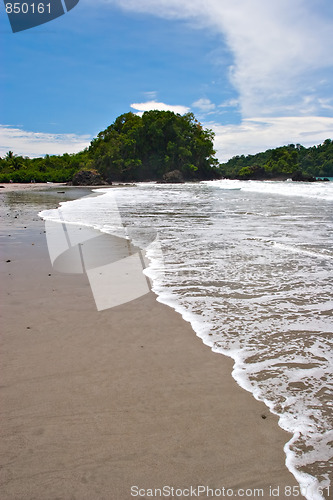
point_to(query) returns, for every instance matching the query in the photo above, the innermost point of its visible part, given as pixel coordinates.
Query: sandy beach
(111, 405)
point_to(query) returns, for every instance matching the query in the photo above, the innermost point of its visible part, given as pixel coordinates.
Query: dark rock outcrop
(88, 178)
(175, 176)
(300, 177)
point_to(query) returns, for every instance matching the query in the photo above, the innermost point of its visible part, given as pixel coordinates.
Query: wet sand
(94, 403)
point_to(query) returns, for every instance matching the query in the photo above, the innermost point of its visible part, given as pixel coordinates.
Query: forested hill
(282, 162)
(151, 146)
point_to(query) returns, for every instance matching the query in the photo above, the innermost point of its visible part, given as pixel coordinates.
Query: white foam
(320, 190)
(295, 249)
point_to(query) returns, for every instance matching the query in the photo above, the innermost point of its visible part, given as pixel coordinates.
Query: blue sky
(258, 73)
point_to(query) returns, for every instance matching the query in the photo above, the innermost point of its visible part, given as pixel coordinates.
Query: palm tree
(9, 155)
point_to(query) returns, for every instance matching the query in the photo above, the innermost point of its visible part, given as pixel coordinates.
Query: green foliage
(282, 163)
(50, 168)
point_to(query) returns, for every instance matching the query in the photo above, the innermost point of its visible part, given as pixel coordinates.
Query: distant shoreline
(17, 186)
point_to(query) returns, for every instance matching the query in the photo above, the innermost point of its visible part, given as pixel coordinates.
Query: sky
(258, 73)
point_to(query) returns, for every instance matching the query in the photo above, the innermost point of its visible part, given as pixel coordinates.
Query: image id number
(28, 8)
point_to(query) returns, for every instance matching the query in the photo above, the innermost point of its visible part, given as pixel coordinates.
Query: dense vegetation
(147, 147)
(138, 148)
(282, 162)
(133, 148)
(50, 168)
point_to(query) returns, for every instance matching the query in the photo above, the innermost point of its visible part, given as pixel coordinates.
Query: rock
(175, 176)
(88, 178)
(298, 176)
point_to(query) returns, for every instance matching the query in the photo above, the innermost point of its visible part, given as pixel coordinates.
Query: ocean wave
(318, 190)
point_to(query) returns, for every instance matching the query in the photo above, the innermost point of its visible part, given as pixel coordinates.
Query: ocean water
(249, 264)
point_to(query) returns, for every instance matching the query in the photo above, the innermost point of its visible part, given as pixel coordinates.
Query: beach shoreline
(116, 403)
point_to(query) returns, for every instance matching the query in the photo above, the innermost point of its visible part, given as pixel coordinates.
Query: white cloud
(326, 104)
(160, 106)
(279, 47)
(152, 94)
(204, 105)
(33, 144)
(258, 134)
(230, 103)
